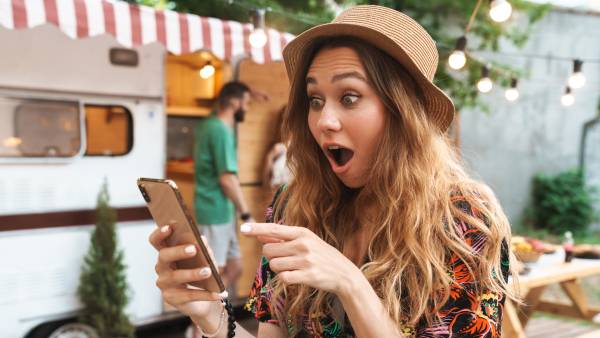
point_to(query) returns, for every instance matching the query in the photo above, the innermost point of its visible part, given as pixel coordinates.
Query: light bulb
(576, 80)
(258, 38)
(500, 10)
(567, 99)
(457, 59)
(485, 85)
(511, 94)
(207, 71)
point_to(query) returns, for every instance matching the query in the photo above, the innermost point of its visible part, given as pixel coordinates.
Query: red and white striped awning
(134, 25)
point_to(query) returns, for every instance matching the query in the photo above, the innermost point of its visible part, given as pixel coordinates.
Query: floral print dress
(468, 313)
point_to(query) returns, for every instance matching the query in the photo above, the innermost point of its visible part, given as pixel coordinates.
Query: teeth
(333, 147)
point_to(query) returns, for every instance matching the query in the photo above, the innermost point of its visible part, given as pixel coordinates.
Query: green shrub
(102, 285)
(562, 203)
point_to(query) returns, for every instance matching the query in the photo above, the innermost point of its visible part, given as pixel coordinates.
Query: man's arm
(230, 184)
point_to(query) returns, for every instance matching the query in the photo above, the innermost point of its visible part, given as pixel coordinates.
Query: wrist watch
(245, 216)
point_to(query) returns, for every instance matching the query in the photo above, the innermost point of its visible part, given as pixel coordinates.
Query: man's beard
(239, 115)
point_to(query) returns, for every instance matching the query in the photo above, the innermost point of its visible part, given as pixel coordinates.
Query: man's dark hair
(232, 90)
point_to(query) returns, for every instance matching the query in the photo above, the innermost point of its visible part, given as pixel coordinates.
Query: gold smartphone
(166, 206)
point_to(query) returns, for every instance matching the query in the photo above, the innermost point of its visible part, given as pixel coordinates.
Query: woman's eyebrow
(342, 76)
(339, 77)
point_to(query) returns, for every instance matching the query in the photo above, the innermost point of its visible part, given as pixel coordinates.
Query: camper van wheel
(74, 330)
(64, 330)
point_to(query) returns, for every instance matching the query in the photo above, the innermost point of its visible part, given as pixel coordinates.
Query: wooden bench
(532, 286)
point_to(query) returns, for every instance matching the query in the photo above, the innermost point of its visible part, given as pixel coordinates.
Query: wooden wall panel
(258, 200)
(255, 136)
(257, 133)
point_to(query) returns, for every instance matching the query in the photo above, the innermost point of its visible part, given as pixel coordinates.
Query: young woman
(381, 233)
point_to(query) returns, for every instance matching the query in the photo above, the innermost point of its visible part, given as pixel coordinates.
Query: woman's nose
(328, 121)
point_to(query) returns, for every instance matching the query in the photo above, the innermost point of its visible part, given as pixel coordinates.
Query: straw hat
(394, 33)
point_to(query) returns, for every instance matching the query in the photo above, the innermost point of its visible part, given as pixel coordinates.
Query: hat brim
(439, 106)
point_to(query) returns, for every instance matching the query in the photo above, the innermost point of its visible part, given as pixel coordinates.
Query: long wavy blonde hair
(411, 235)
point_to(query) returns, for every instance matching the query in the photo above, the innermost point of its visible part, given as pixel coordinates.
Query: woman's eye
(349, 99)
(315, 103)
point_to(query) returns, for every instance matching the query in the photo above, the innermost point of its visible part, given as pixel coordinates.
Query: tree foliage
(102, 285)
(443, 19)
(563, 203)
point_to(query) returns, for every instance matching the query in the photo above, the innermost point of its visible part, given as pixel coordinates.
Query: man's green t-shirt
(215, 154)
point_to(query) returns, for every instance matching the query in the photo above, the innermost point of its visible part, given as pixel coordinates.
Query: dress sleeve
(470, 312)
(259, 301)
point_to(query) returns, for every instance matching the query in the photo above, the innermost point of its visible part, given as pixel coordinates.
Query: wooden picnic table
(550, 269)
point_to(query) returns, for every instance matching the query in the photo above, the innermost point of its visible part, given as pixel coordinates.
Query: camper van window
(109, 130)
(39, 128)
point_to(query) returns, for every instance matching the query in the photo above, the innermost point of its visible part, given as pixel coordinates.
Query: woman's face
(346, 116)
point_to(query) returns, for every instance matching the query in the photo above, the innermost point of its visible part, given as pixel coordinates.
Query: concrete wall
(507, 147)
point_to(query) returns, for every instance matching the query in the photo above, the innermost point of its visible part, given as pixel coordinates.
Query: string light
(512, 93)
(485, 84)
(258, 37)
(500, 10)
(458, 59)
(577, 79)
(568, 98)
(207, 70)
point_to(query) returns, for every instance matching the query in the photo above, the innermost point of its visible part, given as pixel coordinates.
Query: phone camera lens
(144, 194)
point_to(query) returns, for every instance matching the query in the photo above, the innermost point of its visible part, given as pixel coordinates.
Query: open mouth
(340, 155)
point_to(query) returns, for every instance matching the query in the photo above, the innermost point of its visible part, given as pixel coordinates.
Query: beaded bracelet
(230, 322)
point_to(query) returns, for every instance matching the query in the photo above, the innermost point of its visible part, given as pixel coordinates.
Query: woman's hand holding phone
(203, 307)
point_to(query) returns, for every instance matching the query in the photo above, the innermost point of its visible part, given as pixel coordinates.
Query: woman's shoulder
(477, 212)
(479, 221)
(477, 202)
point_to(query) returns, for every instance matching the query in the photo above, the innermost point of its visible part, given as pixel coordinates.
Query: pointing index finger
(273, 230)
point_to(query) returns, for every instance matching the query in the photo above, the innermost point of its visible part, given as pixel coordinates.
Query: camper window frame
(81, 152)
(130, 129)
(50, 159)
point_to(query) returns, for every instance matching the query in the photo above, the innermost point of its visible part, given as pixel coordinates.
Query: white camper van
(67, 123)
